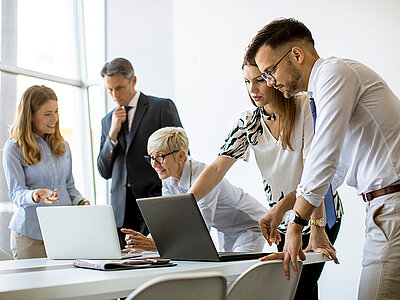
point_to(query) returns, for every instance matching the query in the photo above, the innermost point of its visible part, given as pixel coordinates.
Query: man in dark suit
(125, 131)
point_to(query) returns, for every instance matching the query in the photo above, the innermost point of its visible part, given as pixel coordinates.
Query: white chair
(182, 286)
(265, 280)
(4, 255)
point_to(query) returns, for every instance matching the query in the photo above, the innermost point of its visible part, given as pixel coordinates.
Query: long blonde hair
(21, 130)
(285, 108)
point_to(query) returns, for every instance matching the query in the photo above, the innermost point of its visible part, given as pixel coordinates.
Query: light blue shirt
(51, 172)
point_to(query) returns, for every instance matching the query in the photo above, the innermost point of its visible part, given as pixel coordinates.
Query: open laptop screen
(80, 231)
(179, 231)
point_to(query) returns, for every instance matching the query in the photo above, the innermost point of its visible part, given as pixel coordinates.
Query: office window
(95, 38)
(46, 37)
(1, 27)
(97, 112)
(59, 44)
(95, 53)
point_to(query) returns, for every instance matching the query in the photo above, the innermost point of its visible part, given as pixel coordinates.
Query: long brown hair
(285, 108)
(21, 130)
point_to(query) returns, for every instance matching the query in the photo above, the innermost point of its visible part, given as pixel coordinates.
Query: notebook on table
(179, 230)
(80, 231)
(114, 265)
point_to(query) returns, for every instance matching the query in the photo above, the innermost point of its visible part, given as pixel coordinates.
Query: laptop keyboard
(234, 253)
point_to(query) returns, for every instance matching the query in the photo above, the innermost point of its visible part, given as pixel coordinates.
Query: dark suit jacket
(125, 163)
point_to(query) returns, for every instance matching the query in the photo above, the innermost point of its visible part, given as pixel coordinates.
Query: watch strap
(300, 221)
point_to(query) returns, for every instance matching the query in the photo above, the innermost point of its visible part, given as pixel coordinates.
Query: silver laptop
(179, 230)
(81, 231)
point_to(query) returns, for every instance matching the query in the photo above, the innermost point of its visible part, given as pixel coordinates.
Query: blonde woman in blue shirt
(38, 169)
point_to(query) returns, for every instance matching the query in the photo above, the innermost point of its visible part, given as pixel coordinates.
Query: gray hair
(168, 139)
(118, 66)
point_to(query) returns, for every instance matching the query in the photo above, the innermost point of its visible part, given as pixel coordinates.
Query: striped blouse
(280, 168)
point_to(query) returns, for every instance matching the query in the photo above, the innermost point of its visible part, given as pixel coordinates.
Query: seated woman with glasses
(230, 210)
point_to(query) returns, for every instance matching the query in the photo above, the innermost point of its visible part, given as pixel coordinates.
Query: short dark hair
(278, 33)
(118, 66)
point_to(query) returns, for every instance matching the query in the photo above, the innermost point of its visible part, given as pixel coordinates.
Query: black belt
(383, 191)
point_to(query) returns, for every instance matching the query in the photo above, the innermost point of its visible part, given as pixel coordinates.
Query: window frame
(8, 66)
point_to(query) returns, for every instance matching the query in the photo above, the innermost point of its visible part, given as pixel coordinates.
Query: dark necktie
(125, 125)
(328, 200)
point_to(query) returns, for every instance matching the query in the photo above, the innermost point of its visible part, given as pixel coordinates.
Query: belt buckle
(367, 197)
(364, 198)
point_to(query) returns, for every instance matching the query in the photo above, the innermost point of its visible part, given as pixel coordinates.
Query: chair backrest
(193, 286)
(265, 280)
(4, 255)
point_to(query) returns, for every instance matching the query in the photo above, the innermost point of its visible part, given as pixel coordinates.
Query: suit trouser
(308, 283)
(24, 247)
(380, 276)
(133, 218)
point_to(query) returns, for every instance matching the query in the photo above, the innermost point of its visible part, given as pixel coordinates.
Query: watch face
(321, 222)
(291, 216)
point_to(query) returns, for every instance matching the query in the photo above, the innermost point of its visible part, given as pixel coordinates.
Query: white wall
(142, 32)
(192, 51)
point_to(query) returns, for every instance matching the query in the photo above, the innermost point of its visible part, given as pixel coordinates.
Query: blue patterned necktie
(328, 200)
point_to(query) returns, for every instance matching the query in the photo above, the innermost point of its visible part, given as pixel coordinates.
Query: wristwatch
(321, 222)
(293, 217)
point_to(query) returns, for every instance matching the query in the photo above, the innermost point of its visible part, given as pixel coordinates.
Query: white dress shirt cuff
(313, 199)
(114, 144)
(29, 197)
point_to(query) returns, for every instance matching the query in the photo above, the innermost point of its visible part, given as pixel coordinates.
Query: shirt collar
(186, 177)
(313, 73)
(134, 100)
(38, 138)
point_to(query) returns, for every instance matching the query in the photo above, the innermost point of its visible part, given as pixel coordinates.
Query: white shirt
(133, 105)
(227, 208)
(357, 130)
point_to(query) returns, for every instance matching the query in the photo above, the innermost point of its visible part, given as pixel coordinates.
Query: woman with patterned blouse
(279, 131)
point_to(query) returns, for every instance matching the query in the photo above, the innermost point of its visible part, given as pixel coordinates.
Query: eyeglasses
(267, 75)
(160, 158)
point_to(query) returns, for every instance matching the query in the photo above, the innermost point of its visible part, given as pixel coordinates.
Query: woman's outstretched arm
(211, 176)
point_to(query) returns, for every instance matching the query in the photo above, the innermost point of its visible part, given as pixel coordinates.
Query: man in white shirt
(357, 135)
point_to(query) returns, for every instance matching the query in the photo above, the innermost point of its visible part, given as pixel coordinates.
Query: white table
(42, 278)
